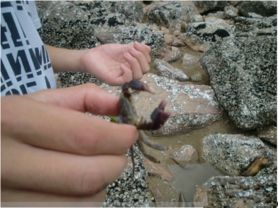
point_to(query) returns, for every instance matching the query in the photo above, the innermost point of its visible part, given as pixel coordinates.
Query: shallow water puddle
(186, 178)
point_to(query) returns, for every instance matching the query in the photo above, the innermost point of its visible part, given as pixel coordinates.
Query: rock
(243, 75)
(129, 190)
(197, 77)
(191, 106)
(69, 79)
(233, 153)
(200, 36)
(132, 10)
(205, 7)
(218, 14)
(190, 59)
(268, 134)
(105, 12)
(230, 153)
(177, 42)
(63, 25)
(168, 38)
(246, 26)
(166, 70)
(173, 54)
(72, 24)
(264, 8)
(185, 154)
(230, 11)
(137, 32)
(172, 14)
(197, 18)
(225, 191)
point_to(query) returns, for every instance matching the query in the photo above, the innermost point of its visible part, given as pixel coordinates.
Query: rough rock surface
(205, 7)
(200, 36)
(233, 153)
(63, 25)
(226, 191)
(191, 106)
(172, 54)
(260, 26)
(129, 191)
(171, 14)
(268, 134)
(190, 59)
(137, 32)
(166, 70)
(264, 8)
(230, 11)
(185, 154)
(243, 75)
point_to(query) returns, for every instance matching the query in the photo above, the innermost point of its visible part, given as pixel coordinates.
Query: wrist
(81, 56)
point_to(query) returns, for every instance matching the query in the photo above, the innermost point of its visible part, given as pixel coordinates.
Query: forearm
(65, 59)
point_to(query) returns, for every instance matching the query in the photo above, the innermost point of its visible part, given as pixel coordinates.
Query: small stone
(165, 69)
(230, 11)
(197, 77)
(197, 18)
(268, 134)
(172, 55)
(185, 154)
(168, 38)
(178, 42)
(189, 59)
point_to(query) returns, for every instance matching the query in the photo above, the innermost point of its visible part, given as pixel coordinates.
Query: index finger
(144, 49)
(85, 98)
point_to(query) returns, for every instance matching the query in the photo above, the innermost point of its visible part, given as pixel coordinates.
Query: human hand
(53, 151)
(116, 64)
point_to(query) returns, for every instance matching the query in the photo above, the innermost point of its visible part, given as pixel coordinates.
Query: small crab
(128, 115)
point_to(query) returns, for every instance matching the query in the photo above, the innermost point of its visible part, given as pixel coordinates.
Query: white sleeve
(31, 8)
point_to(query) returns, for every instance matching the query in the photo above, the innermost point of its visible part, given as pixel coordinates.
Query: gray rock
(166, 70)
(218, 14)
(65, 25)
(171, 14)
(246, 26)
(264, 8)
(72, 24)
(106, 12)
(137, 32)
(197, 77)
(185, 154)
(225, 191)
(132, 10)
(173, 54)
(230, 11)
(69, 79)
(190, 59)
(233, 153)
(129, 191)
(243, 75)
(200, 36)
(268, 134)
(205, 7)
(191, 106)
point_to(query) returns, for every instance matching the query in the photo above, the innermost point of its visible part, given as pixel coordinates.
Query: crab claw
(136, 85)
(159, 116)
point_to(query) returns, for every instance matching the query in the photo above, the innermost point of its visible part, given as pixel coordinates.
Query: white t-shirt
(25, 64)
